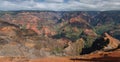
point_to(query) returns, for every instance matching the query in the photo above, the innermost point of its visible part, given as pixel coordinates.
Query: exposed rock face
(90, 32)
(79, 22)
(8, 31)
(7, 34)
(105, 43)
(75, 48)
(21, 42)
(113, 43)
(33, 27)
(35, 30)
(47, 31)
(63, 41)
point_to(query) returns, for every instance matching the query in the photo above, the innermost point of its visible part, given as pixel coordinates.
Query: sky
(60, 5)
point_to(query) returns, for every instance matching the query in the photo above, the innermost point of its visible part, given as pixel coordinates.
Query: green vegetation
(78, 46)
(89, 41)
(70, 34)
(58, 49)
(104, 28)
(23, 27)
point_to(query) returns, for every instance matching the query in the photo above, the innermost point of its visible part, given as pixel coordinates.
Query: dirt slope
(113, 56)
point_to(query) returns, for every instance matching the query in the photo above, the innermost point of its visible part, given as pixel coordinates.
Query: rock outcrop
(75, 48)
(90, 32)
(113, 43)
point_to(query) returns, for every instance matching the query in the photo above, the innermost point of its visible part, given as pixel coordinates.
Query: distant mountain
(101, 21)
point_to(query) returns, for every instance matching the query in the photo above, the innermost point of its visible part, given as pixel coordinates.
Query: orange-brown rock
(113, 43)
(90, 32)
(77, 19)
(74, 48)
(76, 29)
(47, 31)
(29, 44)
(63, 41)
(8, 30)
(33, 27)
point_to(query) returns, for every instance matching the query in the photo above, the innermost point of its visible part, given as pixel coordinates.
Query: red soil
(94, 57)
